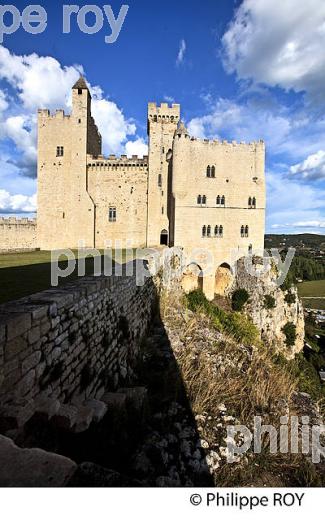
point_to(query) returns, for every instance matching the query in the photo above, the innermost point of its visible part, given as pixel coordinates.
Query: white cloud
(112, 124)
(137, 147)
(17, 203)
(280, 43)
(169, 99)
(307, 224)
(42, 82)
(289, 203)
(294, 133)
(181, 53)
(313, 167)
(228, 119)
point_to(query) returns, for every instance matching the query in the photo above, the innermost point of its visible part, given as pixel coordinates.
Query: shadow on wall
(141, 433)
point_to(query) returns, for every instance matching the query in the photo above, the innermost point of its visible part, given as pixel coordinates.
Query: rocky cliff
(270, 307)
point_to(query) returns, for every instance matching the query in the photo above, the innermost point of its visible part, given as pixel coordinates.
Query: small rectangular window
(59, 151)
(112, 214)
(79, 91)
(159, 180)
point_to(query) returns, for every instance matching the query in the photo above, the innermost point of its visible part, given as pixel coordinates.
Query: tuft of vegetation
(289, 330)
(290, 298)
(239, 298)
(238, 326)
(269, 302)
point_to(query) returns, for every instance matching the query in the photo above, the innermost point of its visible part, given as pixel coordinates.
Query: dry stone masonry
(71, 344)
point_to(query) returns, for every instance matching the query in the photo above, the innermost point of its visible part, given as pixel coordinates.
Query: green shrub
(290, 298)
(239, 298)
(289, 330)
(196, 299)
(232, 323)
(269, 302)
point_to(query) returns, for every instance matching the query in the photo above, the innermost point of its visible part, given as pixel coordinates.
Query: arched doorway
(192, 278)
(223, 279)
(164, 237)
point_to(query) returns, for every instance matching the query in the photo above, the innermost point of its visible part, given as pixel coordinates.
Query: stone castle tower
(187, 192)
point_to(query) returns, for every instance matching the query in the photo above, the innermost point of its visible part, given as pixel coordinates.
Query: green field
(22, 274)
(313, 294)
(314, 288)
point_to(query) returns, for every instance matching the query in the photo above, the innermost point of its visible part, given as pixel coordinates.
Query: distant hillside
(303, 240)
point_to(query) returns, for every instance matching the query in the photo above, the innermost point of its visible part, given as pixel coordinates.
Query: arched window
(204, 231)
(218, 200)
(216, 231)
(220, 231)
(204, 199)
(213, 172)
(250, 249)
(208, 171)
(254, 202)
(250, 202)
(199, 199)
(246, 231)
(223, 200)
(242, 231)
(209, 231)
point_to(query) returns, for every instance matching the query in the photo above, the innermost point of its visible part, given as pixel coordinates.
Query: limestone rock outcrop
(270, 321)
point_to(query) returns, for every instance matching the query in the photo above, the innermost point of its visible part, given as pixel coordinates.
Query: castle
(192, 193)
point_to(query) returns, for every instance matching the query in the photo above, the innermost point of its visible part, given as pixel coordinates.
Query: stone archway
(223, 279)
(192, 278)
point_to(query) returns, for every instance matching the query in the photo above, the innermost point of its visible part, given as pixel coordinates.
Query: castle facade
(187, 192)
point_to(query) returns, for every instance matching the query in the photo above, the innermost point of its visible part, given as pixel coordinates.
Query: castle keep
(187, 192)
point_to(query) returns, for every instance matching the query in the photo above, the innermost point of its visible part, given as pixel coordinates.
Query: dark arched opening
(164, 237)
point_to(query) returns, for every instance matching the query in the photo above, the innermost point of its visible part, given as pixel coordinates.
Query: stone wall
(17, 234)
(74, 342)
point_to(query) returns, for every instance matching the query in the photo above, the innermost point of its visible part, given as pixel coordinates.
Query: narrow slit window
(112, 214)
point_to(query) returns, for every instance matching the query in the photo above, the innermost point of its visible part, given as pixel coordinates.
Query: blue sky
(243, 70)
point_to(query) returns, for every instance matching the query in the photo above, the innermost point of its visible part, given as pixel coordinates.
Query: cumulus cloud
(137, 147)
(284, 130)
(42, 82)
(16, 203)
(181, 53)
(290, 203)
(279, 43)
(312, 168)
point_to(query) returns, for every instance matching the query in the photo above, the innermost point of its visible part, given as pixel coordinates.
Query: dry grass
(217, 370)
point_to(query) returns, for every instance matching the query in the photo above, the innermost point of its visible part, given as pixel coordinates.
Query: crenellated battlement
(163, 112)
(23, 221)
(224, 142)
(57, 114)
(114, 162)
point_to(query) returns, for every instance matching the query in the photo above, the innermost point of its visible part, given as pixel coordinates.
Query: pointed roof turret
(182, 130)
(81, 83)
